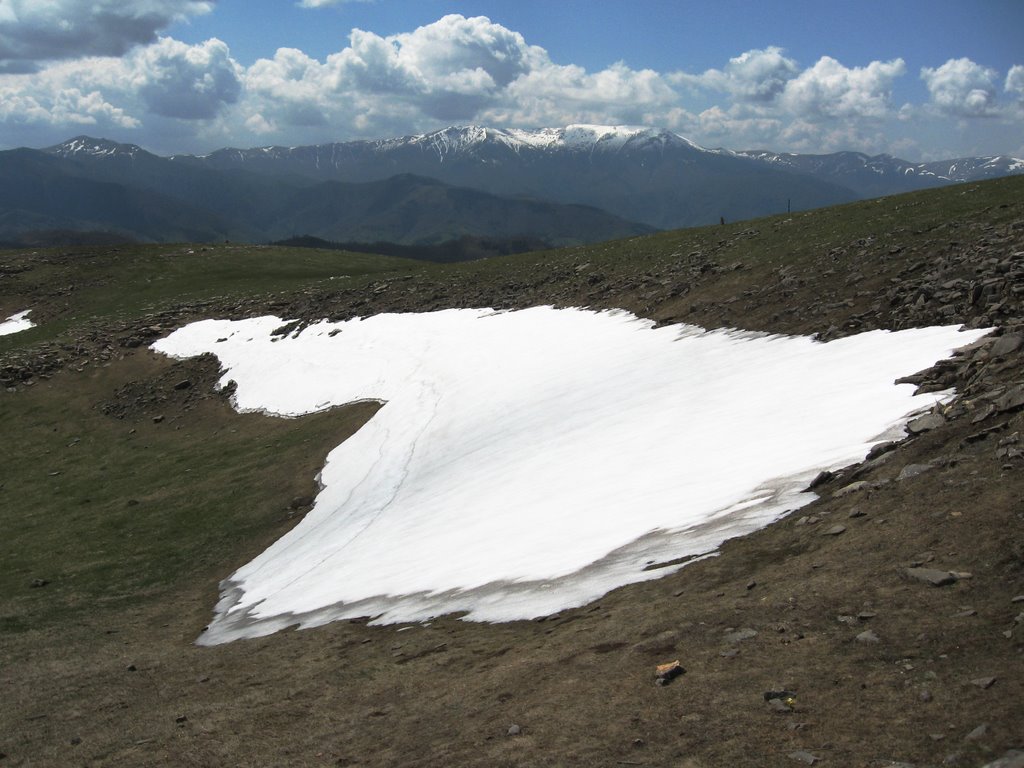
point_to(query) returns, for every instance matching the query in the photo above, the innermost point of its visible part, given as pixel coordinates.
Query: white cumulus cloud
(39, 30)
(758, 75)
(830, 90)
(1015, 82)
(186, 81)
(961, 87)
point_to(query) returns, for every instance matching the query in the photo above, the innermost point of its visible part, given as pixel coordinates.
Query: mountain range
(577, 184)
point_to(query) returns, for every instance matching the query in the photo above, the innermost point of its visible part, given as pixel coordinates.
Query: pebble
(513, 730)
(978, 733)
(804, 757)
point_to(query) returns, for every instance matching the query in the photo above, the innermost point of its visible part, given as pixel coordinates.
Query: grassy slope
(132, 584)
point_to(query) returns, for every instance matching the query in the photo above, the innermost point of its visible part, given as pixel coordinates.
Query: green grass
(111, 512)
(81, 285)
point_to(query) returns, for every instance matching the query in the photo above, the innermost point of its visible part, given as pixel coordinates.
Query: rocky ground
(882, 625)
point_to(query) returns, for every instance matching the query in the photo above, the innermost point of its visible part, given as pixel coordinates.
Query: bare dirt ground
(882, 625)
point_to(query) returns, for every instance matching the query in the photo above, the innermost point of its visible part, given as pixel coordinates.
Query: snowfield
(15, 323)
(529, 461)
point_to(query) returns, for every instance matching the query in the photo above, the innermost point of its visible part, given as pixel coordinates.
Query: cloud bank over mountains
(66, 65)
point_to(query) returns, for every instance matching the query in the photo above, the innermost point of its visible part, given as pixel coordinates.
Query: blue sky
(922, 80)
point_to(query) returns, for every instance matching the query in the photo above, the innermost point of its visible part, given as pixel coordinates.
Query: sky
(919, 79)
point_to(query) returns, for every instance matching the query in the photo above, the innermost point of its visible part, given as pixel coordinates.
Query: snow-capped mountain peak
(81, 146)
(576, 137)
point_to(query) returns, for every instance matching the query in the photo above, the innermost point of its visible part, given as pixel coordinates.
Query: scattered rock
(158, 419)
(1012, 759)
(820, 479)
(835, 530)
(978, 733)
(1006, 344)
(666, 673)
(183, 384)
(984, 682)
(1010, 400)
(846, 490)
(740, 635)
(781, 706)
(38, 583)
(880, 449)
(868, 636)
(513, 730)
(925, 423)
(913, 470)
(932, 576)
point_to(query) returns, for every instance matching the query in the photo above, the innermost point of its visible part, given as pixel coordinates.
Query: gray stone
(740, 635)
(925, 423)
(835, 530)
(846, 490)
(780, 706)
(1012, 759)
(868, 636)
(913, 470)
(932, 576)
(880, 449)
(1012, 399)
(978, 733)
(983, 682)
(1006, 344)
(513, 730)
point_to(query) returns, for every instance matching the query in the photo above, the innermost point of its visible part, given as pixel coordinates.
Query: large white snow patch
(15, 323)
(529, 461)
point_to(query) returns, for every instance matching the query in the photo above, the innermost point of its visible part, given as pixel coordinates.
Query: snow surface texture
(15, 323)
(529, 461)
